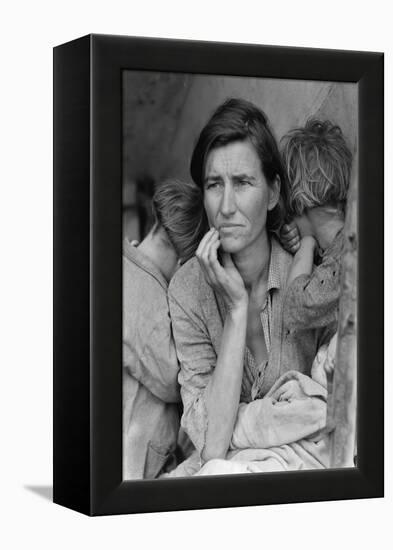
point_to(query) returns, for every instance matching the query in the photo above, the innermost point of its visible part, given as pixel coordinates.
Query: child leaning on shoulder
(318, 164)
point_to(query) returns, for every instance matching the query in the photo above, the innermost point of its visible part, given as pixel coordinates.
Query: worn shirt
(150, 369)
(198, 316)
(312, 301)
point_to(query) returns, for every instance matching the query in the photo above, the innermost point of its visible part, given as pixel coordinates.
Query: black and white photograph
(195, 276)
(240, 239)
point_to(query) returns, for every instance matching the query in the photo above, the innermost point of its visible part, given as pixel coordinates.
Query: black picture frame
(88, 275)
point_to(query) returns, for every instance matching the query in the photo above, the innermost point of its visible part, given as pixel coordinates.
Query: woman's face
(237, 196)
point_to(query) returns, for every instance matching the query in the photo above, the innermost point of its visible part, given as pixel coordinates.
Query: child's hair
(318, 164)
(178, 208)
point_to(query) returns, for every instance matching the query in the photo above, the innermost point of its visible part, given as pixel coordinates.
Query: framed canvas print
(218, 275)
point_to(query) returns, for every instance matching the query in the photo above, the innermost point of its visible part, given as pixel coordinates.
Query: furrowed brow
(243, 176)
(212, 179)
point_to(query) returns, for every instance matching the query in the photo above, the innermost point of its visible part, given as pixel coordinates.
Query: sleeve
(149, 353)
(311, 301)
(197, 361)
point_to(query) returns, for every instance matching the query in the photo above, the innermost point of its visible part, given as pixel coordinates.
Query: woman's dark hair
(178, 208)
(240, 120)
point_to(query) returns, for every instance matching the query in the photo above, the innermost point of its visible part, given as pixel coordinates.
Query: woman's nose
(228, 201)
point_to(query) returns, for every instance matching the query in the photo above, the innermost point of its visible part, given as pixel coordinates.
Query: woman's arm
(223, 393)
(210, 381)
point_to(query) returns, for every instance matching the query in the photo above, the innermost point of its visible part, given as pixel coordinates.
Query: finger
(290, 238)
(294, 241)
(214, 260)
(294, 232)
(205, 254)
(210, 251)
(213, 247)
(287, 227)
(213, 265)
(204, 241)
(290, 234)
(294, 248)
(291, 225)
(201, 247)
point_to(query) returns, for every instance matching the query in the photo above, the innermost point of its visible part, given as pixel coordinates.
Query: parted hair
(239, 120)
(178, 209)
(318, 164)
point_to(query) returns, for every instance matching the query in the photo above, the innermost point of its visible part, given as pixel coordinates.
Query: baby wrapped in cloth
(286, 429)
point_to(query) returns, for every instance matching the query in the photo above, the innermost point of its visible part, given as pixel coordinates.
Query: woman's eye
(212, 185)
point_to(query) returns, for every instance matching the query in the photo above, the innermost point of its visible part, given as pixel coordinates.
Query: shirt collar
(277, 274)
(132, 253)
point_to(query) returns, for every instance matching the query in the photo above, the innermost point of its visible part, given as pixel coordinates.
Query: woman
(226, 304)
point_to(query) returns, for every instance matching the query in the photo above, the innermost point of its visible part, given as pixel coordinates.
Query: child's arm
(312, 295)
(304, 258)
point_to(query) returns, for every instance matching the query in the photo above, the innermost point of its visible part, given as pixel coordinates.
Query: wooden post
(342, 404)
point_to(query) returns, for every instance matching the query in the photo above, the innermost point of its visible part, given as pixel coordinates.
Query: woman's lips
(224, 225)
(228, 226)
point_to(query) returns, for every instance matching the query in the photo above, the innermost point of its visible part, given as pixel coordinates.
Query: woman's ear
(274, 193)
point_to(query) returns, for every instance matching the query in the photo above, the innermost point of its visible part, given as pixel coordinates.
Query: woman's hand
(225, 278)
(290, 237)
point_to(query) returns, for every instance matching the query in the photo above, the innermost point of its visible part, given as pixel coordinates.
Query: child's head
(178, 209)
(318, 165)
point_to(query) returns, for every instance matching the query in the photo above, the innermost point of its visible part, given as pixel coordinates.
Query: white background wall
(28, 31)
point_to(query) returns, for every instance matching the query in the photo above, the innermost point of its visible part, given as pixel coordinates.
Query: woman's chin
(231, 246)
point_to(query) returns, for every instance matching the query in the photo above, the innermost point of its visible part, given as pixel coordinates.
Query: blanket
(285, 430)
